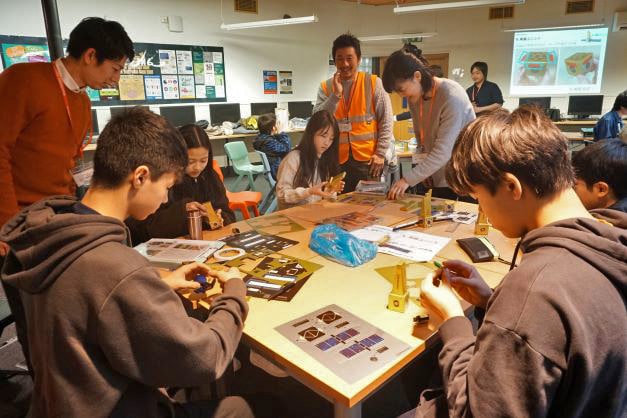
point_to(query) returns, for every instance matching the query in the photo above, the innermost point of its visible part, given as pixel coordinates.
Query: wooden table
(359, 290)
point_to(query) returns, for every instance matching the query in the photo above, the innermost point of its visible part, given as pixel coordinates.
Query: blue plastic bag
(338, 245)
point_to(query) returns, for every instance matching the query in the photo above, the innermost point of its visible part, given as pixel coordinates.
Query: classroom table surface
(361, 291)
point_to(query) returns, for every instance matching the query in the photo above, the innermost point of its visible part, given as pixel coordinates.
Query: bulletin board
(158, 74)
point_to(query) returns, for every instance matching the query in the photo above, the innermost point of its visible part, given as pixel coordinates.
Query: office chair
(240, 200)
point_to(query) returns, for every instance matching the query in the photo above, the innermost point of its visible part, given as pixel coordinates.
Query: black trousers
(355, 171)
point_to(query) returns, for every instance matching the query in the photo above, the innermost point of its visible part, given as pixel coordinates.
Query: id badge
(82, 173)
(345, 126)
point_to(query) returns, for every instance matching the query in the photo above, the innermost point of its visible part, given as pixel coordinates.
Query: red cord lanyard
(69, 113)
(422, 131)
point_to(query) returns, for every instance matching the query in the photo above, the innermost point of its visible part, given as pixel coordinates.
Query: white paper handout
(413, 245)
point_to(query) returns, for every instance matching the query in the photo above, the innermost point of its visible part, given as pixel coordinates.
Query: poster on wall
(167, 61)
(131, 87)
(170, 86)
(285, 82)
(184, 62)
(107, 95)
(153, 87)
(269, 82)
(18, 53)
(186, 87)
(94, 95)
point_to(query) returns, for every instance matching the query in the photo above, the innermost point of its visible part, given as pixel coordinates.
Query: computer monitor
(94, 122)
(262, 108)
(179, 115)
(224, 112)
(301, 110)
(543, 103)
(584, 106)
(121, 109)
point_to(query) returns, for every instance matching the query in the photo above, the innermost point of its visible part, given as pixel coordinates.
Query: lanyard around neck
(475, 95)
(347, 105)
(422, 123)
(69, 112)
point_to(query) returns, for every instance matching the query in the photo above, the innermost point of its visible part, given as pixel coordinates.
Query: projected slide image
(558, 61)
(579, 65)
(534, 68)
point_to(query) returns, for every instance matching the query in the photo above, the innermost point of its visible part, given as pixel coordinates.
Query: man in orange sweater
(45, 113)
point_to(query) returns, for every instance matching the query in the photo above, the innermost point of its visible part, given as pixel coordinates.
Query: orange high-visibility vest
(362, 138)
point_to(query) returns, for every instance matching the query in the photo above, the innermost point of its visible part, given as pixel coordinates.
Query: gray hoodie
(554, 339)
(104, 331)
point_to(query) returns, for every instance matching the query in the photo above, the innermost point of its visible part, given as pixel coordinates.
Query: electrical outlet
(164, 19)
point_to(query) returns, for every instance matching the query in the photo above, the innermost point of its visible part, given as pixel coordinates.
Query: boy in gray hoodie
(104, 331)
(553, 342)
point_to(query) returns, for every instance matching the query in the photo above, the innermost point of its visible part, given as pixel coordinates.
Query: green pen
(436, 280)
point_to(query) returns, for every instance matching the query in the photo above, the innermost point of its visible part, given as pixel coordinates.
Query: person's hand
(4, 249)
(440, 299)
(338, 88)
(467, 282)
(476, 108)
(338, 189)
(376, 166)
(224, 276)
(197, 206)
(398, 189)
(318, 190)
(182, 277)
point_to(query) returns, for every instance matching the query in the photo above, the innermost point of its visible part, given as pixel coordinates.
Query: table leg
(343, 411)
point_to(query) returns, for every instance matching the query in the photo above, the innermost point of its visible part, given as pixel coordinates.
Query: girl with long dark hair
(305, 171)
(200, 184)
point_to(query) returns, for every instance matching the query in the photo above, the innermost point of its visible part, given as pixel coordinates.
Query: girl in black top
(200, 184)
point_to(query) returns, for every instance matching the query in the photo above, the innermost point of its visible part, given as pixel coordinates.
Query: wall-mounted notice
(269, 82)
(285, 82)
(167, 61)
(132, 87)
(153, 87)
(170, 86)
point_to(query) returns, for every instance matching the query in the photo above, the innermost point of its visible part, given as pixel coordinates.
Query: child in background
(601, 171)
(274, 144)
(305, 171)
(199, 184)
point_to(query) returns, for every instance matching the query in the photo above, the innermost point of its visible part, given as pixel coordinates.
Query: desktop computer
(582, 107)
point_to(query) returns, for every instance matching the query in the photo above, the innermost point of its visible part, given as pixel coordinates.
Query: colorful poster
(184, 62)
(199, 73)
(170, 86)
(217, 57)
(167, 61)
(211, 92)
(186, 87)
(201, 91)
(94, 95)
(109, 94)
(285, 82)
(269, 82)
(153, 87)
(16, 53)
(131, 87)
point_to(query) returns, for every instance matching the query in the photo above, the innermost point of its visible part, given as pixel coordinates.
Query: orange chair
(240, 200)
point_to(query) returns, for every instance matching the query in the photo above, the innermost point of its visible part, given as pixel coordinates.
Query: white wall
(467, 35)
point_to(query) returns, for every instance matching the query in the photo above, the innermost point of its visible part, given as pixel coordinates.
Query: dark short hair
(266, 122)
(346, 41)
(606, 161)
(195, 137)
(133, 138)
(524, 143)
(107, 37)
(402, 65)
(621, 101)
(481, 66)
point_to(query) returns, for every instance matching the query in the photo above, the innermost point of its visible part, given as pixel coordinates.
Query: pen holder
(194, 224)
